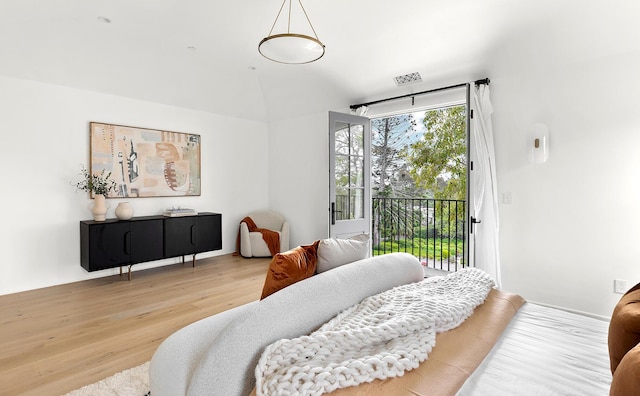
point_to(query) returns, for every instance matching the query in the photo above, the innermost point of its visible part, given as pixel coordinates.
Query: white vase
(124, 211)
(99, 209)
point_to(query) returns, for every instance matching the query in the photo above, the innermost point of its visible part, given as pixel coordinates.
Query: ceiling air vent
(407, 79)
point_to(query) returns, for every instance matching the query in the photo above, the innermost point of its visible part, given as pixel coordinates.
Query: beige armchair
(252, 244)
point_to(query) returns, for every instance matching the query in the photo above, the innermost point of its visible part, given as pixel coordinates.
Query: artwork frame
(146, 162)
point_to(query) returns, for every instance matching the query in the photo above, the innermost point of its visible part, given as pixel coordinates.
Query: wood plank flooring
(60, 338)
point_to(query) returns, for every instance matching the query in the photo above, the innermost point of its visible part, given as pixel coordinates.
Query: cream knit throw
(381, 337)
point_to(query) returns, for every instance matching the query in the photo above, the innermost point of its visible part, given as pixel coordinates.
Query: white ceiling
(144, 52)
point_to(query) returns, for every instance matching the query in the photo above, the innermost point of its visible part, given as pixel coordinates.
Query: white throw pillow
(333, 253)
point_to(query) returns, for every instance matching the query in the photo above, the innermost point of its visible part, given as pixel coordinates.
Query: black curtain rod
(477, 82)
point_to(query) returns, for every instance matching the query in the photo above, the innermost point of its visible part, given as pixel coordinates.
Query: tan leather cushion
(626, 379)
(449, 364)
(624, 328)
(290, 267)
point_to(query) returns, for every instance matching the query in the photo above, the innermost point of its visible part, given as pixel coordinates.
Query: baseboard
(575, 311)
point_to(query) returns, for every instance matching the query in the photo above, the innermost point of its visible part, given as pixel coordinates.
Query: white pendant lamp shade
(291, 48)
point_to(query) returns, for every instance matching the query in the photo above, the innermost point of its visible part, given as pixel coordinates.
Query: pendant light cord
(308, 20)
(278, 16)
(289, 19)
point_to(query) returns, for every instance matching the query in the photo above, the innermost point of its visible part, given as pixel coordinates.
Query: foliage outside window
(419, 172)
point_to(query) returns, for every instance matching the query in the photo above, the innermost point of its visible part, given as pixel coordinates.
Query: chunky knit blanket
(381, 337)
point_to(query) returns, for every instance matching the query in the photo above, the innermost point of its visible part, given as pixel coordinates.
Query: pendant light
(291, 48)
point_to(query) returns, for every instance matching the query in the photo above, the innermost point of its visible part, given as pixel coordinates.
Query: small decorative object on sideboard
(98, 184)
(179, 212)
(99, 208)
(124, 211)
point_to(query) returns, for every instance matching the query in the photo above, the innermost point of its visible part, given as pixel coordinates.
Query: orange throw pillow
(290, 267)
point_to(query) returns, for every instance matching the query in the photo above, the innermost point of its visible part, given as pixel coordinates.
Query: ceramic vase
(99, 209)
(124, 211)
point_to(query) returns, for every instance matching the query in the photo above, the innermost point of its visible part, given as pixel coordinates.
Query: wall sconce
(538, 143)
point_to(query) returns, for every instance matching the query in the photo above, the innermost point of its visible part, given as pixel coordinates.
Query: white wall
(45, 138)
(299, 175)
(573, 225)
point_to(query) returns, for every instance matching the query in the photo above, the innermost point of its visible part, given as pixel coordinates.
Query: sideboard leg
(129, 274)
(193, 261)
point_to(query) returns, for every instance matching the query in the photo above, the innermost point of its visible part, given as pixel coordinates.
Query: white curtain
(484, 187)
(360, 111)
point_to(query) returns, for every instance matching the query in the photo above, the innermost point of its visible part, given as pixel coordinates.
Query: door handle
(333, 213)
(473, 221)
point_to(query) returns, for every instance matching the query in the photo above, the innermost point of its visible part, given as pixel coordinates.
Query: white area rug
(131, 382)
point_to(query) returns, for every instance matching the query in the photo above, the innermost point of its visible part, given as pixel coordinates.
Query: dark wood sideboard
(117, 243)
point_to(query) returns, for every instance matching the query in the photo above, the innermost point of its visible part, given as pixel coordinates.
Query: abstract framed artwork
(146, 162)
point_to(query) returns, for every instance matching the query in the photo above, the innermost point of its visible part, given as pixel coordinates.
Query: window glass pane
(342, 139)
(356, 210)
(357, 140)
(357, 172)
(349, 171)
(342, 171)
(342, 203)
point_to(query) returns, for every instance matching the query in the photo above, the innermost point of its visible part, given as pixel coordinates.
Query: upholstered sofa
(624, 344)
(218, 355)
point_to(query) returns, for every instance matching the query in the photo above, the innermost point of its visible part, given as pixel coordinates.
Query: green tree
(388, 141)
(438, 161)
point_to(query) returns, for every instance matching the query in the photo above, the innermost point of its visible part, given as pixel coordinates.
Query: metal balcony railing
(433, 230)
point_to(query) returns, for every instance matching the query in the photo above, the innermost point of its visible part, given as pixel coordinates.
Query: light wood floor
(60, 338)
